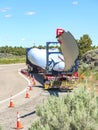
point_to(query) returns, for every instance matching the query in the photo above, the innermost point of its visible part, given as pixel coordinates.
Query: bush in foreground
(74, 111)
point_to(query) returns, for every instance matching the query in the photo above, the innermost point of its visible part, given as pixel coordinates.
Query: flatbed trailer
(53, 78)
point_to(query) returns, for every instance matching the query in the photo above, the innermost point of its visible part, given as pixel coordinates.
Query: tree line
(19, 51)
(84, 45)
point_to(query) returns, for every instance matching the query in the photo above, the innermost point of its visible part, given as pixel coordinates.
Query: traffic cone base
(11, 104)
(27, 94)
(19, 125)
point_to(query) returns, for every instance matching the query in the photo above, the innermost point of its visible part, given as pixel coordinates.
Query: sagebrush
(75, 111)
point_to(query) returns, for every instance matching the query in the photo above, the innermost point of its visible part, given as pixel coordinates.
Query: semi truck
(57, 63)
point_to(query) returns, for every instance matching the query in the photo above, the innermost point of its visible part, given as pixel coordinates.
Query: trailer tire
(64, 90)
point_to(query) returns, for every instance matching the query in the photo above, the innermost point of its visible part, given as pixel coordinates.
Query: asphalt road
(10, 81)
(15, 84)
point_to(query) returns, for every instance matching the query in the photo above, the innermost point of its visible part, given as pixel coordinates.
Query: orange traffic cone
(34, 81)
(18, 125)
(27, 94)
(11, 102)
(30, 87)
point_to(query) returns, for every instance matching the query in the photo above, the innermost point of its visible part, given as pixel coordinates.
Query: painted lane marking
(19, 92)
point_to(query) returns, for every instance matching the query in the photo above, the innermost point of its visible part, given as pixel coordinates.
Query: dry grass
(90, 81)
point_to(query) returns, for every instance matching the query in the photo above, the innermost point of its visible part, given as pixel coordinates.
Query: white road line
(19, 92)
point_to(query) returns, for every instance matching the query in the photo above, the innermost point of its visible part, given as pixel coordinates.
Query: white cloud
(75, 2)
(4, 9)
(8, 16)
(30, 13)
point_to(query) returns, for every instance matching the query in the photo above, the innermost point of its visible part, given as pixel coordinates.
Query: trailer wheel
(65, 90)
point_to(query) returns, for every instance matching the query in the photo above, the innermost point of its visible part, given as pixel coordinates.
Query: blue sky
(28, 22)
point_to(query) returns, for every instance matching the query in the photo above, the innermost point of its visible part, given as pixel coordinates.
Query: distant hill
(89, 60)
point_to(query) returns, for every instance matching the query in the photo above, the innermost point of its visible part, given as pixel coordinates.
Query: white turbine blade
(69, 48)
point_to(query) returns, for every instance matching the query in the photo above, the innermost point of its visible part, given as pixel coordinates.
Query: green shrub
(74, 111)
(96, 76)
(87, 73)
